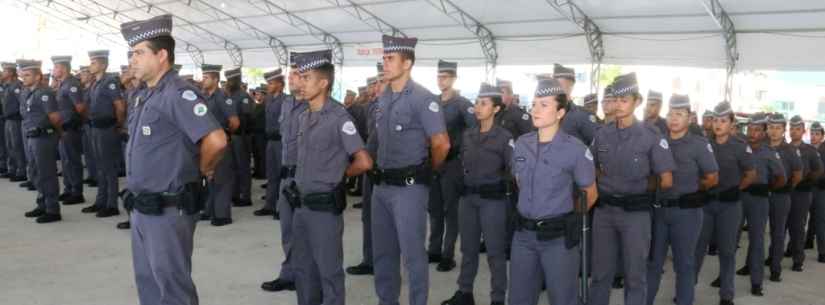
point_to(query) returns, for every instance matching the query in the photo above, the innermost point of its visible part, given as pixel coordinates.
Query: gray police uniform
(446, 190)
(677, 217)
(568, 164)
(13, 135)
(580, 124)
(219, 200)
(755, 207)
(366, 209)
(326, 140)
(780, 206)
(241, 146)
(70, 94)
(801, 201)
(816, 224)
(41, 139)
(273, 149)
(405, 122)
(723, 214)
(288, 121)
(486, 158)
(105, 139)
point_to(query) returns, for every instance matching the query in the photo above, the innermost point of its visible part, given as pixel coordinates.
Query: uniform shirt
(326, 140)
(162, 154)
(697, 130)
(694, 158)
(768, 164)
(791, 158)
(515, 120)
(458, 116)
(405, 121)
(243, 108)
(38, 104)
(811, 160)
(549, 173)
(258, 117)
(133, 104)
(659, 123)
(486, 156)
(220, 107)
(273, 106)
(372, 136)
(627, 157)
(580, 124)
(101, 96)
(734, 158)
(290, 109)
(69, 94)
(11, 99)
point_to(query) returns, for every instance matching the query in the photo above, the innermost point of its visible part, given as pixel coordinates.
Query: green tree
(608, 73)
(254, 76)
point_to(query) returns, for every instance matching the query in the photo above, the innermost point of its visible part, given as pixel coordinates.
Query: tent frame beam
(592, 33)
(723, 20)
(367, 17)
(485, 37)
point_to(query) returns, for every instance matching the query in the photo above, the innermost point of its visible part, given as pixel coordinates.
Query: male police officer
(816, 224)
(273, 102)
(327, 139)
(802, 197)
(780, 199)
(11, 113)
(577, 122)
(41, 125)
(591, 104)
(107, 111)
(240, 142)
(171, 131)
(72, 106)
(652, 110)
(446, 188)
(408, 122)
(512, 117)
(222, 108)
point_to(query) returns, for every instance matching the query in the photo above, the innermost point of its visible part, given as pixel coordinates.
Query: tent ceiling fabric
(771, 34)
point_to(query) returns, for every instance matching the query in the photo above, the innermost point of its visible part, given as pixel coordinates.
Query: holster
(568, 226)
(189, 201)
(292, 195)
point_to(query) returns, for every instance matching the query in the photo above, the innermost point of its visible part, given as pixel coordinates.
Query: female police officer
(627, 153)
(547, 164)
(677, 217)
(485, 155)
(723, 214)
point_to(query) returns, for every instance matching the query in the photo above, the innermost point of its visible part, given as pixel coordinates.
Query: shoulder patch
(511, 143)
(112, 86)
(189, 95)
(433, 106)
(588, 154)
(710, 148)
(748, 149)
(17, 90)
(778, 156)
(663, 144)
(245, 100)
(348, 128)
(73, 89)
(592, 118)
(200, 109)
(525, 117)
(44, 98)
(470, 110)
(229, 101)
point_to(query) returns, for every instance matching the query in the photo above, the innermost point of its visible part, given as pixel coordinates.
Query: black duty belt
(334, 201)
(102, 123)
(568, 225)
(759, 190)
(488, 191)
(189, 201)
(686, 201)
(630, 203)
(39, 132)
(406, 176)
(729, 195)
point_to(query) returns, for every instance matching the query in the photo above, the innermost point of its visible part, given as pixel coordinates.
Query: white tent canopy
(784, 35)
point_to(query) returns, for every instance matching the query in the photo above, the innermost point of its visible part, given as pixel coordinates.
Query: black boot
(360, 269)
(278, 285)
(618, 282)
(756, 290)
(434, 258)
(37, 212)
(775, 277)
(460, 298)
(242, 203)
(745, 270)
(797, 267)
(716, 283)
(445, 265)
(263, 212)
(126, 225)
(49, 217)
(219, 222)
(74, 199)
(107, 212)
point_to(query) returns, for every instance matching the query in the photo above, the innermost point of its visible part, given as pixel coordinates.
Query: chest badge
(398, 128)
(147, 131)
(525, 117)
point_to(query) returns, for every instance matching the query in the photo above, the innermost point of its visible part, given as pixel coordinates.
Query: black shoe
(278, 285)
(797, 267)
(37, 212)
(93, 183)
(360, 269)
(91, 209)
(445, 265)
(460, 298)
(618, 282)
(434, 258)
(358, 205)
(482, 248)
(725, 302)
(809, 244)
(716, 283)
(821, 258)
(107, 212)
(242, 203)
(31, 188)
(219, 222)
(49, 217)
(126, 225)
(756, 290)
(205, 216)
(25, 184)
(713, 250)
(745, 228)
(775, 277)
(263, 186)
(121, 174)
(743, 271)
(74, 199)
(17, 178)
(263, 212)
(63, 196)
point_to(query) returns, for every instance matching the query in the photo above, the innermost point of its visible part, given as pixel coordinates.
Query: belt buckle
(409, 181)
(540, 223)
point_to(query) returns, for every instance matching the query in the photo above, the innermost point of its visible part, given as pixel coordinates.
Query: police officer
(707, 123)
(273, 101)
(41, 125)
(446, 187)
(291, 107)
(780, 198)
(723, 213)
(240, 140)
(546, 242)
(172, 130)
(627, 153)
(132, 107)
(222, 109)
(770, 174)
(71, 104)
(677, 215)
(577, 121)
(486, 153)
(86, 80)
(11, 113)
(107, 111)
(608, 105)
(257, 133)
(591, 105)
(652, 110)
(801, 197)
(327, 139)
(512, 117)
(408, 122)
(816, 224)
